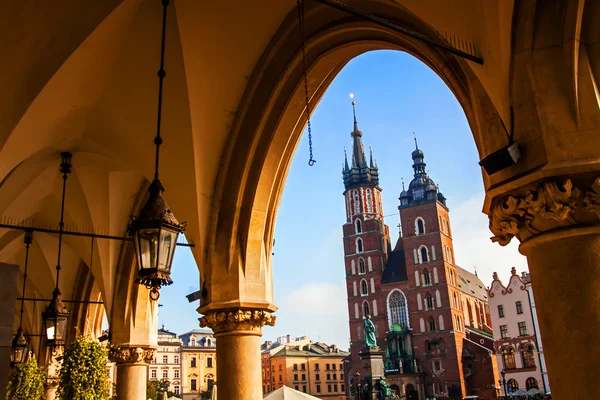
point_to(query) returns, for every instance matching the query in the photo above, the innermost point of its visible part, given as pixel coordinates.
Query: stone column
(10, 280)
(132, 370)
(238, 332)
(558, 224)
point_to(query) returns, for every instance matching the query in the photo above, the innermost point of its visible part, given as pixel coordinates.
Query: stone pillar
(10, 279)
(239, 369)
(558, 224)
(132, 370)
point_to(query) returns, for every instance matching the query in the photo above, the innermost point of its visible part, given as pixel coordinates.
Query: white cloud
(318, 310)
(473, 247)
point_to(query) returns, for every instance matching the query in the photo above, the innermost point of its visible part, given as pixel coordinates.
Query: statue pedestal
(372, 365)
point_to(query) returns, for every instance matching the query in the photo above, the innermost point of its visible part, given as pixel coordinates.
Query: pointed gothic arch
(423, 254)
(358, 226)
(419, 226)
(359, 245)
(366, 308)
(364, 287)
(361, 266)
(397, 309)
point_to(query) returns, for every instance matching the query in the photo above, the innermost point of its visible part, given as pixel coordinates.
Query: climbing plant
(83, 373)
(26, 381)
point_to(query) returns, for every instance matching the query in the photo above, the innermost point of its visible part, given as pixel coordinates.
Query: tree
(26, 381)
(83, 373)
(156, 387)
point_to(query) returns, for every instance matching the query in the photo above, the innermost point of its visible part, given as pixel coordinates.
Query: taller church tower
(366, 245)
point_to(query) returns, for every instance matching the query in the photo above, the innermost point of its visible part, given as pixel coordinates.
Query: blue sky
(395, 96)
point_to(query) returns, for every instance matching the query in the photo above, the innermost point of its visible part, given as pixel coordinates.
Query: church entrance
(411, 393)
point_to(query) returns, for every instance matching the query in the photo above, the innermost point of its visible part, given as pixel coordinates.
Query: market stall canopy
(286, 393)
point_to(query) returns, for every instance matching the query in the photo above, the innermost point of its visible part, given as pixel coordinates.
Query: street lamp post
(358, 384)
(503, 373)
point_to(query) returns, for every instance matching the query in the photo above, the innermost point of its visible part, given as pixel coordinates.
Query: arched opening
(420, 226)
(528, 356)
(531, 383)
(358, 226)
(426, 277)
(508, 356)
(366, 309)
(397, 309)
(361, 266)
(364, 288)
(424, 254)
(359, 245)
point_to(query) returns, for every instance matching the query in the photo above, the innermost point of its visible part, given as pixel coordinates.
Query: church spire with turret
(360, 174)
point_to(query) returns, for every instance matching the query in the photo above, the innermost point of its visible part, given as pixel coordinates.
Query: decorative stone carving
(130, 355)
(237, 320)
(517, 343)
(550, 206)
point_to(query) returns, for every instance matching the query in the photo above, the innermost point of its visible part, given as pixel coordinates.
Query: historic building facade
(270, 348)
(313, 368)
(198, 363)
(431, 316)
(517, 342)
(167, 360)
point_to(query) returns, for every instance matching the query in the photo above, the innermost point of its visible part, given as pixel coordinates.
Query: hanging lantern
(156, 229)
(20, 349)
(55, 320)
(155, 234)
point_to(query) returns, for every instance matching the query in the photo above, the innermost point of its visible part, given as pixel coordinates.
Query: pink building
(516, 336)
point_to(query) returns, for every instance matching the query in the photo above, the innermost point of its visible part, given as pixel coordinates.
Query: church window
(437, 366)
(372, 285)
(366, 310)
(356, 203)
(419, 304)
(369, 203)
(417, 278)
(361, 266)
(424, 254)
(356, 314)
(528, 357)
(397, 309)
(435, 274)
(428, 301)
(370, 263)
(422, 324)
(426, 277)
(531, 383)
(420, 228)
(359, 245)
(438, 299)
(364, 288)
(354, 289)
(352, 267)
(508, 355)
(358, 226)
(519, 307)
(441, 322)
(431, 324)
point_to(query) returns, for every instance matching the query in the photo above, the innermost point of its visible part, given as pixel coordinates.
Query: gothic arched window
(531, 383)
(356, 203)
(364, 288)
(508, 354)
(528, 357)
(420, 226)
(431, 324)
(361, 266)
(359, 245)
(424, 254)
(369, 203)
(429, 301)
(426, 277)
(358, 226)
(366, 310)
(398, 311)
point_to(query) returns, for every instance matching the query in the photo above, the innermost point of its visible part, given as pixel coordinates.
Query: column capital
(549, 206)
(250, 321)
(131, 354)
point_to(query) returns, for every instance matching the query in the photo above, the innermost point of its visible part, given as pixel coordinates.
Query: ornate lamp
(156, 229)
(19, 352)
(56, 314)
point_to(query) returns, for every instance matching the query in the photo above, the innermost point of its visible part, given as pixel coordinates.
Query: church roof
(395, 271)
(470, 284)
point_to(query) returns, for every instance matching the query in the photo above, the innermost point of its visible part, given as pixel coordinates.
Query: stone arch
(269, 123)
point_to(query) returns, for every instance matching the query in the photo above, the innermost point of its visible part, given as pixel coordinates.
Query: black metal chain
(300, 8)
(27, 240)
(161, 75)
(66, 170)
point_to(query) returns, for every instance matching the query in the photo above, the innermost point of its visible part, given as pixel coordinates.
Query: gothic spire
(358, 150)
(371, 158)
(346, 166)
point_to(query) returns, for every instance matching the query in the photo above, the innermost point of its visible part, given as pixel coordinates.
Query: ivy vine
(26, 381)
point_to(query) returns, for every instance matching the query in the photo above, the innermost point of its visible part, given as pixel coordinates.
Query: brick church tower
(433, 288)
(366, 245)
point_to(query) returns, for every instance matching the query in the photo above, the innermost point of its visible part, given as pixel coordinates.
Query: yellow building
(198, 363)
(314, 368)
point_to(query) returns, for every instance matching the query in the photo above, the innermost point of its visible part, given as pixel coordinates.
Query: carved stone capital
(549, 207)
(224, 321)
(131, 355)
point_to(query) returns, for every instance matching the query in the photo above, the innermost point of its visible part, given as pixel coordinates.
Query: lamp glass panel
(147, 247)
(168, 240)
(18, 354)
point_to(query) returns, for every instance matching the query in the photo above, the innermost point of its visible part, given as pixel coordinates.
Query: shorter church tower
(366, 243)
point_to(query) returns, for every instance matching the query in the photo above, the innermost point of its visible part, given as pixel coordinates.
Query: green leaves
(83, 373)
(26, 382)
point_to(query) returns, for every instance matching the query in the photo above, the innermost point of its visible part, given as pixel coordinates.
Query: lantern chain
(300, 9)
(161, 76)
(27, 239)
(65, 168)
